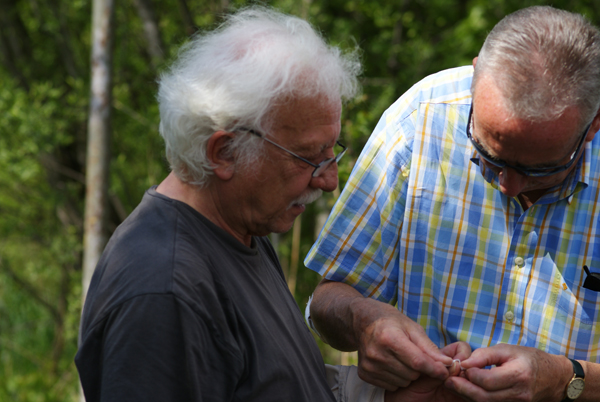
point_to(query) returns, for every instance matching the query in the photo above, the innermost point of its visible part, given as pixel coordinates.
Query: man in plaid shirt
(473, 208)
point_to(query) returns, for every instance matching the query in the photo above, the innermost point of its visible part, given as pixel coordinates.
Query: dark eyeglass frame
(532, 172)
(319, 168)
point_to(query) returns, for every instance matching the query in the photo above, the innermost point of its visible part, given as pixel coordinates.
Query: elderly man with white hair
(188, 301)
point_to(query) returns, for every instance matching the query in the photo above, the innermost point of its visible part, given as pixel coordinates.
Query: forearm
(341, 314)
(331, 314)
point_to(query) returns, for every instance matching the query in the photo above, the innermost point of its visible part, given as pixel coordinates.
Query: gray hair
(230, 79)
(544, 60)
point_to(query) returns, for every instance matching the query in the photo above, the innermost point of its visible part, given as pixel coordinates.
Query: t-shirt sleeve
(154, 348)
(359, 242)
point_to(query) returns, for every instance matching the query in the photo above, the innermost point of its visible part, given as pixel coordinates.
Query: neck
(202, 199)
(528, 198)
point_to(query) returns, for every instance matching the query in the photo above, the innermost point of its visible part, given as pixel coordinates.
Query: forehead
(306, 122)
(519, 141)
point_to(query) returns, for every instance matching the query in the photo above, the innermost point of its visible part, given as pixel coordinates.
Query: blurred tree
(44, 104)
(95, 234)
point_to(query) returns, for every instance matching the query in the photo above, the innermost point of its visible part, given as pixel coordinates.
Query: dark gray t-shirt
(179, 310)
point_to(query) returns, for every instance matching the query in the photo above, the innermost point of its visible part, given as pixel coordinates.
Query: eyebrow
(514, 164)
(316, 149)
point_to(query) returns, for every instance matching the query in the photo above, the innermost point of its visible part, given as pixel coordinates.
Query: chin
(282, 227)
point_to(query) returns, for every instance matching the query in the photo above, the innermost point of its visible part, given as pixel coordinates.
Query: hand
(394, 351)
(521, 374)
(427, 389)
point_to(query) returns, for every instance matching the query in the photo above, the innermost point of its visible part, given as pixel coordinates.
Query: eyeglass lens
(325, 164)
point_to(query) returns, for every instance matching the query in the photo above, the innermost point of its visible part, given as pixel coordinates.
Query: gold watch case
(575, 387)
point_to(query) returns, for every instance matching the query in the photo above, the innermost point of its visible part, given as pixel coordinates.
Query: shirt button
(519, 262)
(509, 316)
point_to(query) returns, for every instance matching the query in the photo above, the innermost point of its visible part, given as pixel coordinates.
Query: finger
(492, 356)
(402, 352)
(388, 364)
(386, 368)
(426, 345)
(451, 351)
(424, 357)
(457, 350)
(472, 392)
(424, 385)
(455, 369)
(494, 379)
(464, 388)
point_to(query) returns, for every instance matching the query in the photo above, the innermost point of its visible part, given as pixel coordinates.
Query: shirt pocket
(581, 303)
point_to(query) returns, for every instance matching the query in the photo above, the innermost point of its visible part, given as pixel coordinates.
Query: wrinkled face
(275, 192)
(522, 143)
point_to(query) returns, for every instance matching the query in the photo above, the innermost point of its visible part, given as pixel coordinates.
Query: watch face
(575, 388)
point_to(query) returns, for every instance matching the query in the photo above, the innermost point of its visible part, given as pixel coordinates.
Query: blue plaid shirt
(420, 223)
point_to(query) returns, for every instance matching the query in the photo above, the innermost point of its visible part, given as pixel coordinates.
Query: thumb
(431, 349)
(439, 362)
(494, 355)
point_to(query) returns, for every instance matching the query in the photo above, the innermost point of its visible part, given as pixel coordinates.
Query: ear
(474, 61)
(594, 128)
(219, 156)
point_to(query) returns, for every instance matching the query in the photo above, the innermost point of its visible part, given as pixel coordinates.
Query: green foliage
(44, 71)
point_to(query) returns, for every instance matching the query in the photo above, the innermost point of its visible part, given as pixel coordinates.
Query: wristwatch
(575, 386)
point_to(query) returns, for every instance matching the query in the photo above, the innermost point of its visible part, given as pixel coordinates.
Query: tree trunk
(98, 156)
(156, 48)
(295, 255)
(186, 17)
(63, 39)
(15, 44)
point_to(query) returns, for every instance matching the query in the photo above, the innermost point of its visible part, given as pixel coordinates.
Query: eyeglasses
(533, 172)
(319, 168)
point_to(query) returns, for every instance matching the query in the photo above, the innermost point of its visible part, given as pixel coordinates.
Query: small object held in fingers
(455, 368)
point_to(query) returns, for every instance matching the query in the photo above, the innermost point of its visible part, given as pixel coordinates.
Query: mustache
(307, 197)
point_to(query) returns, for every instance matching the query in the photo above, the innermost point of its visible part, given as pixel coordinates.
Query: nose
(327, 180)
(511, 182)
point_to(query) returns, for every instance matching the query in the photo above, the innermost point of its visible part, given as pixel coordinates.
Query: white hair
(230, 78)
(543, 60)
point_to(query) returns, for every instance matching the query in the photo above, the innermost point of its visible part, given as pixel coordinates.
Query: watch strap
(577, 369)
